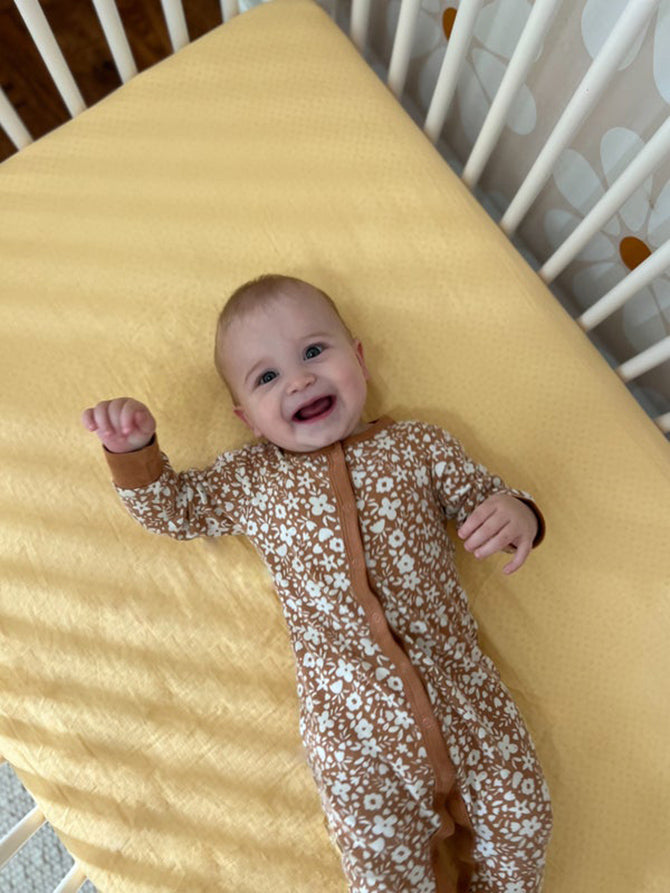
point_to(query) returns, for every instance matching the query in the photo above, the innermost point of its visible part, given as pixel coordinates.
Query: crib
(126, 215)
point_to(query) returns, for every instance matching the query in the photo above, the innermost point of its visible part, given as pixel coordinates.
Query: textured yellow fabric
(147, 689)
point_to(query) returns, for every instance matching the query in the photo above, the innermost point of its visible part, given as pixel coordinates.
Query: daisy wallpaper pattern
(636, 104)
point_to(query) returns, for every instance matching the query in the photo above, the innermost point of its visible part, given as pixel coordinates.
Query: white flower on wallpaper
(598, 19)
(628, 239)
(495, 36)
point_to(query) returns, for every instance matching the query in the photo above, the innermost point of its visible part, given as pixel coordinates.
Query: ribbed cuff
(140, 468)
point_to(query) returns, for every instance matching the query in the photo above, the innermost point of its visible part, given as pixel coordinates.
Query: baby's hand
(500, 523)
(123, 425)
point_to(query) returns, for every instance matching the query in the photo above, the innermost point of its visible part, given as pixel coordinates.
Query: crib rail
(18, 836)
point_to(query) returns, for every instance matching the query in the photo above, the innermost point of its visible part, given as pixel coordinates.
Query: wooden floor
(26, 81)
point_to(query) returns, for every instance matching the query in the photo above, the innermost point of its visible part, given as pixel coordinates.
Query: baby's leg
(383, 834)
(512, 826)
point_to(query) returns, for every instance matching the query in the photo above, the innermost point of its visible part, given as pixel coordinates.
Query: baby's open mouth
(315, 410)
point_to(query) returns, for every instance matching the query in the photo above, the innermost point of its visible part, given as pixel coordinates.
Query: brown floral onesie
(425, 769)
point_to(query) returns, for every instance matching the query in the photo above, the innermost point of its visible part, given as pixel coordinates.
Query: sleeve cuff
(130, 471)
(541, 526)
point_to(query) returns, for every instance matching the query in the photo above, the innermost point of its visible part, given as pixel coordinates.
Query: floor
(26, 81)
(42, 862)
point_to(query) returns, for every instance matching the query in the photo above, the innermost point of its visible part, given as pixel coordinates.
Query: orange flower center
(633, 251)
(448, 18)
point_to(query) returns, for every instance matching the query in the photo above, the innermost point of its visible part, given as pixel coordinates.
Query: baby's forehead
(296, 306)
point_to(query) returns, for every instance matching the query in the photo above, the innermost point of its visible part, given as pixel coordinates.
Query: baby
(426, 772)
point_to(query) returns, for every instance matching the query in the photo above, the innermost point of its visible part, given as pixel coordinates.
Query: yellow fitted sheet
(147, 687)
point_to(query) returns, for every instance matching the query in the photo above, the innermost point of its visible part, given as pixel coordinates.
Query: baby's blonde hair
(256, 293)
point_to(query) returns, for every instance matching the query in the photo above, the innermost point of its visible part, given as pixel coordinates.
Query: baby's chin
(311, 438)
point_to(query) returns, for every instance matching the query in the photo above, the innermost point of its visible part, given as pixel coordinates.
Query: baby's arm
(491, 516)
(182, 505)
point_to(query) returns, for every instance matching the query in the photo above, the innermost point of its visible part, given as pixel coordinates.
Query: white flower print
(345, 670)
(384, 485)
(600, 16)
(396, 539)
(372, 801)
(338, 581)
(312, 635)
(292, 502)
(341, 790)
(475, 780)
(384, 825)
(486, 849)
(363, 729)
(411, 581)
(507, 747)
(530, 827)
(369, 747)
(259, 500)
(286, 534)
(319, 504)
(527, 786)
(473, 757)
(417, 874)
(629, 238)
(403, 719)
(329, 562)
(388, 508)
(401, 854)
(518, 809)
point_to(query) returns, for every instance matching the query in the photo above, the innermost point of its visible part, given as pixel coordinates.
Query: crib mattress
(147, 695)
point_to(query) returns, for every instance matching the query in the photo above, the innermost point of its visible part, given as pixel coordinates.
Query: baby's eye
(313, 351)
(266, 377)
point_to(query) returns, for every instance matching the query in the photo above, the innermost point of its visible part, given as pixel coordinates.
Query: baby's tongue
(314, 409)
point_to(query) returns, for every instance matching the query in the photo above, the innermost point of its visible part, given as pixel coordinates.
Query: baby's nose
(300, 381)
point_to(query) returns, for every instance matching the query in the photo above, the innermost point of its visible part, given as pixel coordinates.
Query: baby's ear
(358, 347)
(241, 414)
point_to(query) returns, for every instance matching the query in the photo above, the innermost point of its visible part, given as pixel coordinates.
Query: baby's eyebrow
(318, 336)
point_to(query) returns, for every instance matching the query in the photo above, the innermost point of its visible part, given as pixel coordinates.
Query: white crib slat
(643, 362)
(10, 122)
(229, 9)
(116, 38)
(663, 422)
(360, 20)
(589, 91)
(72, 880)
(402, 45)
(637, 171)
(657, 262)
(44, 40)
(451, 65)
(524, 55)
(12, 842)
(175, 19)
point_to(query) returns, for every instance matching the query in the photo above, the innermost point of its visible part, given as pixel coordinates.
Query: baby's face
(299, 379)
